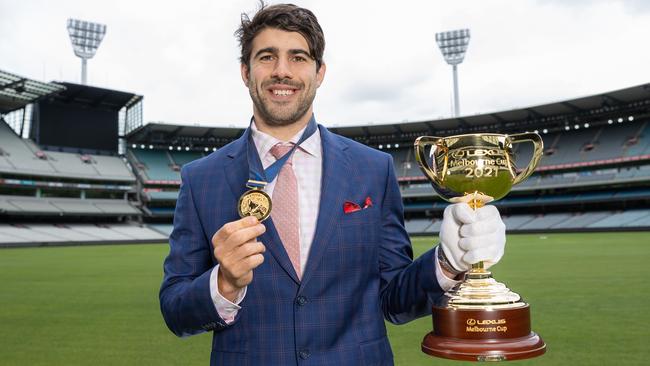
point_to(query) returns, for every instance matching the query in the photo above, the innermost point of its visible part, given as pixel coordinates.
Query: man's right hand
(238, 253)
(468, 236)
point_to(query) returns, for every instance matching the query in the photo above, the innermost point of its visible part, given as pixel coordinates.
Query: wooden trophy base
(489, 334)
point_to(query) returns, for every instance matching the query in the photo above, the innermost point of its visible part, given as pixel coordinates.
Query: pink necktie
(285, 212)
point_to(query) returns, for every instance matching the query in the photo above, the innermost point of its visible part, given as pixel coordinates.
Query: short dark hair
(287, 17)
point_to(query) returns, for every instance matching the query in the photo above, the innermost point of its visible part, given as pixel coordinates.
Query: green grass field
(98, 305)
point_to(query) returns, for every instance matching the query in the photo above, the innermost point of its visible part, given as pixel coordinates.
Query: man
(313, 283)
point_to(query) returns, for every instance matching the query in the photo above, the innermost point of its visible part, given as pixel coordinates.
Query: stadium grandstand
(595, 173)
(117, 180)
(62, 180)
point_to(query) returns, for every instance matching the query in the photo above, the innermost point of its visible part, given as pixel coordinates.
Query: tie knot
(279, 150)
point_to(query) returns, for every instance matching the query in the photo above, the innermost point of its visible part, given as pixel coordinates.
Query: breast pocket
(359, 237)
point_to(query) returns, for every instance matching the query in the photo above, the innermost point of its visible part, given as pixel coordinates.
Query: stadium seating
(23, 205)
(155, 164)
(581, 220)
(110, 168)
(609, 220)
(165, 229)
(161, 195)
(18, 157)
(642, 139)
(58, 234)
(515, 222)
(23, 157)
(642, 221)
(161, 165)
(631, 218)
(416, 226)
(181, 158)
(544, 222)
(434, 228)
(161, 211)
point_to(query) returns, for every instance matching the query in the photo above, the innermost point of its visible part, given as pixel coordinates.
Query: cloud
(382, 62)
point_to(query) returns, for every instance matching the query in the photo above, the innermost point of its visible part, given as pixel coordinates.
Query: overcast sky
(383, 65)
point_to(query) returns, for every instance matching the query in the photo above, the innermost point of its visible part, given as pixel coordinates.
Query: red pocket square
(367, 202)
(349, 207)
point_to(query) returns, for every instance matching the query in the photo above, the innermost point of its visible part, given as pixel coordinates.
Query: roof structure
(163, 134)
(595, 109)
(95, 97)
(16, 91)
(562, 112)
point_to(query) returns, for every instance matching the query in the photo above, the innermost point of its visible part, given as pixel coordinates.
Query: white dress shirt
(308, 164)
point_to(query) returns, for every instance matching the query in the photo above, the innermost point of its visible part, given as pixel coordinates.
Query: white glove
(468, 236)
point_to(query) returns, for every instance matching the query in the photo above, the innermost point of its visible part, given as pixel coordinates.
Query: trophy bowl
(475, 167)
(479, 319)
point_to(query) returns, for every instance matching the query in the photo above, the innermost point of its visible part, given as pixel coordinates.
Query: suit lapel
(236, 172)
(334, 186)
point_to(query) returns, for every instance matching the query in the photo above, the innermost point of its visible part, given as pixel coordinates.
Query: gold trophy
(480, 319)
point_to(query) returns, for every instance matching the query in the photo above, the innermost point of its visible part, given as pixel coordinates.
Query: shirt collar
(264, 142)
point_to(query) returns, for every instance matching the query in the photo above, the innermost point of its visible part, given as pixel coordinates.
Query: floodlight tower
(453, 45)
(85, 38)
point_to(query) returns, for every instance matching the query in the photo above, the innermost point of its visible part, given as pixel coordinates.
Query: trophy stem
(478, 267)
(475, 203)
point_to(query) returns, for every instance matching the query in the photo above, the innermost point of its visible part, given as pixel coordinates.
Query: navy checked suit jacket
(359, 272)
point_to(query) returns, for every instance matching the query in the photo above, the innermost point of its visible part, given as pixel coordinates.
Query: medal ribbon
(259, 177)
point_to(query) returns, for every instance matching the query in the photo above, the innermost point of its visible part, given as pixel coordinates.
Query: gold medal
(255, 202)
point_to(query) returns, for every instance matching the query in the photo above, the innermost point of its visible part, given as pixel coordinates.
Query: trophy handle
(420, 156)
(538, 144)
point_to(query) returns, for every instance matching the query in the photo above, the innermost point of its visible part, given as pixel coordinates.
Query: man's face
(283, 77)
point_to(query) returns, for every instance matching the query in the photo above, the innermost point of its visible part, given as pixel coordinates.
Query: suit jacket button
(301, 300)
(304, 354)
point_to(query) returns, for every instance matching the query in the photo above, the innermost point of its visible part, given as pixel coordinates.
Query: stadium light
(453, 45)
(630, 118)
(85, 38)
